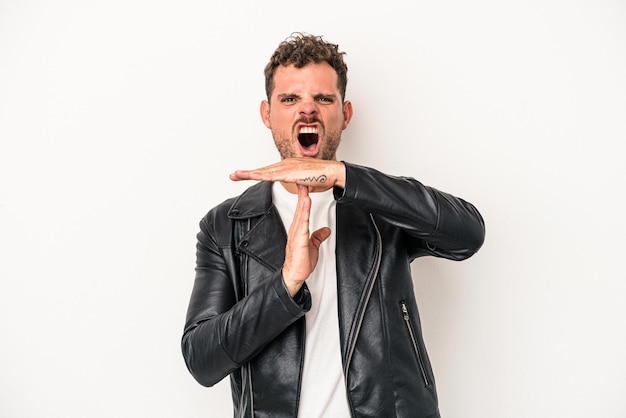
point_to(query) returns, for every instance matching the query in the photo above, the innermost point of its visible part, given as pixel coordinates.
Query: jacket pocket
(418, 354)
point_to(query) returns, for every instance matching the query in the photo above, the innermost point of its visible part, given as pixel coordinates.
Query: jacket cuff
(301, 302)
(346, 194)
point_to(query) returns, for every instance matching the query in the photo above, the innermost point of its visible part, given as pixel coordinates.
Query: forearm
(222, 332)
(449, 226)
(214, 347)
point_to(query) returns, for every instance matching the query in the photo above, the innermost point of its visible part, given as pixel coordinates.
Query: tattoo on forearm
(319, 179)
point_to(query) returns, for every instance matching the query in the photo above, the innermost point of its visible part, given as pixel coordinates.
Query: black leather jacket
(242, 322)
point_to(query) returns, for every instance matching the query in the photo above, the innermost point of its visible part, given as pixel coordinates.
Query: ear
(347, 113)
(265, 113)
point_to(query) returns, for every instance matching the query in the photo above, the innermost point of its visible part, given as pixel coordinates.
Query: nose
(308, 108)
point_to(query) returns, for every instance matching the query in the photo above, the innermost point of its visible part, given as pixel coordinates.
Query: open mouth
(308, 137)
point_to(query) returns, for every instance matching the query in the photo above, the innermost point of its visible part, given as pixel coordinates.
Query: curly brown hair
(300, 49)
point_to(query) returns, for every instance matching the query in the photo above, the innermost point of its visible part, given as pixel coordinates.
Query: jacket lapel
(266, 241)
(263, 237)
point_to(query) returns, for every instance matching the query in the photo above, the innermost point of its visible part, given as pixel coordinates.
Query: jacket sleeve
(224, 330)
(436, 223)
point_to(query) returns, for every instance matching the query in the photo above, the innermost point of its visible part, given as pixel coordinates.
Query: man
(321, 320)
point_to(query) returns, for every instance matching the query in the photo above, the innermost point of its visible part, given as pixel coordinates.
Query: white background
(121, 120)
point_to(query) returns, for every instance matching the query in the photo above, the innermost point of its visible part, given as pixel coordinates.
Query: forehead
(311, 79)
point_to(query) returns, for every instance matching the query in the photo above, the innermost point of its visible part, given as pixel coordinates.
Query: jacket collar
(254, 201)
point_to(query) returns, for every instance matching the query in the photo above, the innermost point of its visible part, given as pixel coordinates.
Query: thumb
(320, 236)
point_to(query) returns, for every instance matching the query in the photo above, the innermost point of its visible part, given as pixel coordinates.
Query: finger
(249, 174)
(303, 208)
(240, 175)
(300, 223)
(320, 236)
(303, 192)
(260, 175)
(290, 170)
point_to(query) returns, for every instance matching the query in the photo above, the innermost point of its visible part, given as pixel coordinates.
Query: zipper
(409, 327)
(247, 376)
(369, 292)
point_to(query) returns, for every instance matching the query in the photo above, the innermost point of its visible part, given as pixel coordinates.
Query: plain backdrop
(120, 121)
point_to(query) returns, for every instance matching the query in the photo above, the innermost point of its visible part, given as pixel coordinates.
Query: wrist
(292, 286)
(340, 174)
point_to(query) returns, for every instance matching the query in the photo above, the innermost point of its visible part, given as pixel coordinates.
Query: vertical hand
(302, 249)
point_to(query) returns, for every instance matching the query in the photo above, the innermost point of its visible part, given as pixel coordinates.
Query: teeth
(308, 130)
(308, 137)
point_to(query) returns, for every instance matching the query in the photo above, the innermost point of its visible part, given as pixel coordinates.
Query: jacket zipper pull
(405, 312)
(420, 361)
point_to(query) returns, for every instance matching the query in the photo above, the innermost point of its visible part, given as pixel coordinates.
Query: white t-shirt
(323, 392)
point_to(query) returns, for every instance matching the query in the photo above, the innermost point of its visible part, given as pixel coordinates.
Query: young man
(321, 320)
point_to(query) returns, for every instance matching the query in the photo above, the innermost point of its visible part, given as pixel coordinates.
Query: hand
(318, 175)
(302, 251)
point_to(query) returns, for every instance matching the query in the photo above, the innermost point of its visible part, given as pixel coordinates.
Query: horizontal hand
(318, 175)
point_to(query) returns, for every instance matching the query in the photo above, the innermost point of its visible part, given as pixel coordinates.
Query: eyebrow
(283, 95)
(325, 96)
